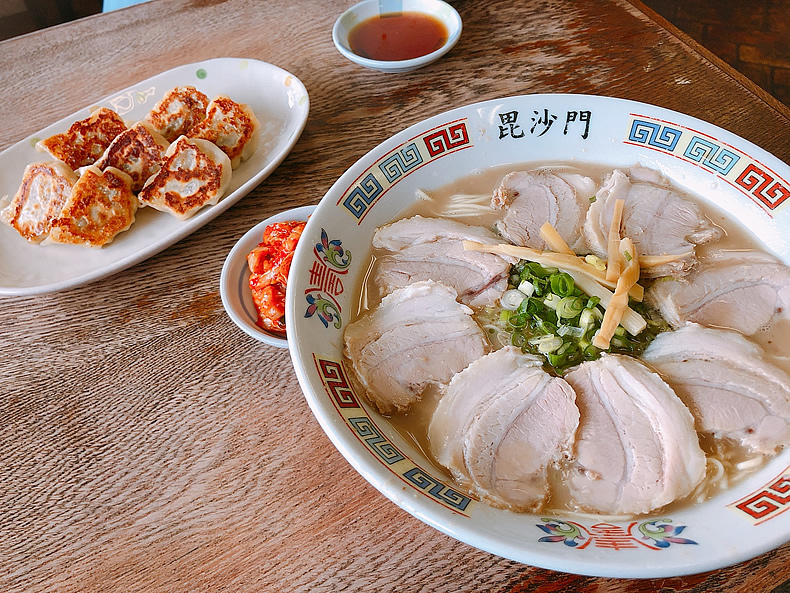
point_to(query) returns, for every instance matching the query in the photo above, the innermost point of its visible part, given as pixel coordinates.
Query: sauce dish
(368, 9)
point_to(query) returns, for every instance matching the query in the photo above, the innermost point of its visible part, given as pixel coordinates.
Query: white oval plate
(234, 281)
(281, 104)
(747, 182)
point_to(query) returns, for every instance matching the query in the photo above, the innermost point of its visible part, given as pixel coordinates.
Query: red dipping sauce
(397, 36)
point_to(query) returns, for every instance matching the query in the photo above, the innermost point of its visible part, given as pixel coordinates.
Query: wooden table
(147, 444)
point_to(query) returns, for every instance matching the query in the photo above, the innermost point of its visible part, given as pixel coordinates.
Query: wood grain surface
(147, 444)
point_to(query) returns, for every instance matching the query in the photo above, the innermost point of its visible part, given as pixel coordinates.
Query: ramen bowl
(436, 9)
(740, 179)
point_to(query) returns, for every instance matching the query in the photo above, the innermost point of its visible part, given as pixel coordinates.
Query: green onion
(562, 284)
(511, 299)
(527, 288)
(552, 300)
(570, 307)
(545, 313)
(546, 344)
(518, 339)
(595, 262)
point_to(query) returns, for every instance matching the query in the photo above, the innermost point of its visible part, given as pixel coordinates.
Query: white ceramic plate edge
(249, 174)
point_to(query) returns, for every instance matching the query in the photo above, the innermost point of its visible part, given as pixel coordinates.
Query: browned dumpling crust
(195, 174)
(231, 126)
(178, 112)
(101, 205)
(44, 190)
(138, 151)
(86, 140)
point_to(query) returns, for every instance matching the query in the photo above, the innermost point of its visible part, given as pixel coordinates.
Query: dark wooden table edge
(689, 41)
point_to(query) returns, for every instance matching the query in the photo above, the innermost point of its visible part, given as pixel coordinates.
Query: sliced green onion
(618, 343)
(552, 301)
(569, 307)
(546, 344)
(562, 284)
(539, 271)
(570, 330)
(511, 299)
(595, 262)
(518, 320)
(544, 311)
(518, 339)
(527, 288)
(586, 319)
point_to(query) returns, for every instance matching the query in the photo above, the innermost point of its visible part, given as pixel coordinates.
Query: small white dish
(235, 278)
(370, 8)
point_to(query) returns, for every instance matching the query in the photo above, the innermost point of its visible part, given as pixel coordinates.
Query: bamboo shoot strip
(553, 239)
(618, 304)
(554, 260)
(615, 261)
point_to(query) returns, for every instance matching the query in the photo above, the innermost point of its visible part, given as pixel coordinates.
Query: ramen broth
(726, 465)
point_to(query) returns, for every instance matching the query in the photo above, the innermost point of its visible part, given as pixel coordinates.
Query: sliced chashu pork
(656, 218)
(732, 391)
(741, 290)
(500, 423)
(636, 448)
(420, 248)
(418, 335)
(533, 198)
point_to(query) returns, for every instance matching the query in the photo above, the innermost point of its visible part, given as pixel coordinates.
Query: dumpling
(231, 126)
(195, 173)
(86, 140)
(100, 206)
(138, 151)
(44, 189)
(178, 112)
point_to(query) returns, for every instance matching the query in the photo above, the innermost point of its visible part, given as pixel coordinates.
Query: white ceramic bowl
(235, 277)
(743, 180)
(370, 8)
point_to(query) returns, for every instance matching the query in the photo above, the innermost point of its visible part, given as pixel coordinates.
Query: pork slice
(420, 248)
(479, 278)
(499, 425)
(636, 448)
(656, 218)
(421, 229)
(534, 198)
(418, 335)
(740, 290)
(732, 391)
